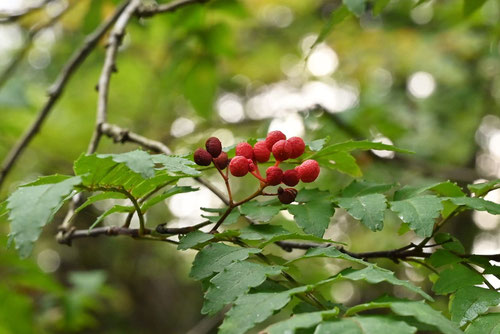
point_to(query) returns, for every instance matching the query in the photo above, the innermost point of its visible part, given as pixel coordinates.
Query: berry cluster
(248, 157)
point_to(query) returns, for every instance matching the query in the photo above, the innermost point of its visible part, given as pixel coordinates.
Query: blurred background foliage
(425, 77)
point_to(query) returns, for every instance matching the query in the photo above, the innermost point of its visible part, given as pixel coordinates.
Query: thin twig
(114, 42)
(120, 135)
(56, 90)
(147, 11)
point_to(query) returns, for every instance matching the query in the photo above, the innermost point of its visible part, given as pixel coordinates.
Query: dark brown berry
(214, 146)
(221, 161)
(287, 196)
(202, 157)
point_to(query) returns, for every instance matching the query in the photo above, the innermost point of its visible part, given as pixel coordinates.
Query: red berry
(274, 175)
(308, 171)
(282, 150)
(238, 166)
(221, 161)
(251, 165)
(273, 137)
(261, 152)
(291, 177)
(287, 196)
(245, 150)
(298, 147)
(214, 146)
(202, 157)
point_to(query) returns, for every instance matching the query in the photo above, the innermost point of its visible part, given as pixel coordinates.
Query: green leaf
(335, 18)
(193, 239)
(476, 203)
(357, 7)
(304, 320)
(417, 309)
(448, 189)
(170, 192)
(32, 207)
(138, 161)
(114, 209)
(479, 189)
(449, 242)
(175, 164)
(455, 278)
(369, 209)
(317, 144)
(379, 6)
(259, 211)
(373, 324)
(50, 179)
(486, 324)
(492, 270)
(470, 302)
(361, 188)
(443, 257)
(234, 281)
(3, 208)
(215, 257)
(470, 6)
(99, 197)
(312, 194)
(330, 252)
(200, 85)
(313, 217)
(341, 161)
(374, 274)
(419, 212)
(357, 145)
(230, 219)
(251, 309)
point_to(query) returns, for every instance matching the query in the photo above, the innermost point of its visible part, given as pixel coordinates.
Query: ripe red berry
(282, 150)
(251, 165)
(298, 147)
(221, 161)
(238, 166)
(308, 171)
(273, 137)
(245, 150)
(261, 151)
(291, 177)
(287, 196)
(202, 157)
(214, 146)
(274, 175)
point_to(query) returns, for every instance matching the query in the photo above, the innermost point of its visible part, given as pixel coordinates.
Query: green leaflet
(480, 189)
(251, 309)
(419, 212)
(259, 211)
(43, 201)
(360, 188)
(357, 145)
(335, 18)
(458, 276)
(374, 324)
(476, 204)
(170, 192)
(450, 243)
(471, 301)
(341, 161)
(304, 320)
(193, 239)
(447, 188)
(486, 324)
(234, 281)
(317, 144)
(137, 161)
(217, 256)
(175, 164)
(369, 209)
(443, 257)
(99, 197)
(313, 217)
(330, 252)
(417, 309)
(230, 219)
(114, 209)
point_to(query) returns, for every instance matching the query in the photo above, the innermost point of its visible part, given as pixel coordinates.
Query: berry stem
(226, 181)
(260, 178)
(277, 163)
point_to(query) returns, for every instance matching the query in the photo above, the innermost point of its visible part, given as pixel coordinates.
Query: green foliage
(469, 302)
(369, 209)
(419, 212)
(458, 276)
(489, 323)
(365, 325)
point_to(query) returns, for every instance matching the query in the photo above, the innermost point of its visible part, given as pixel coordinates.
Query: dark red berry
(273, 137)
(287, 196)
(298, 147)
(239, 166)
(282, 150)
(308, 171)
(251, 165)
(221, 161)
(261, 151)
(214, 146)
(291, 177)
(202, 157)
(274, 175)
(244, 150)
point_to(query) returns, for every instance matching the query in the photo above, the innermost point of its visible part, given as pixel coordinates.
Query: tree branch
(114, 42)
(56, 90)
(148, 11)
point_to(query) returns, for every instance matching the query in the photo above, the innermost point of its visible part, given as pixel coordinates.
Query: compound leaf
(419, 212)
